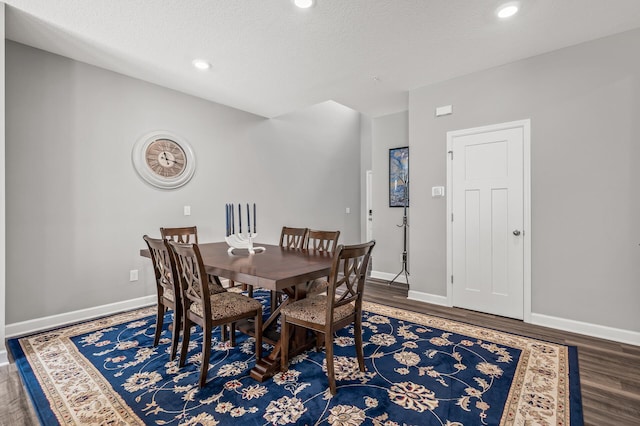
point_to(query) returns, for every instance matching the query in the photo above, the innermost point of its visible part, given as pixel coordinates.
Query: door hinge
(451, 217)
(451, 153)
(451, 279)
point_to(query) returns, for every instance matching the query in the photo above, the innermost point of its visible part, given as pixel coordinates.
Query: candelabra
(240, 240)
(404, 227)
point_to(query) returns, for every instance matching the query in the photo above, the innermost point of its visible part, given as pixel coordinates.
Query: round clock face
(164, 160)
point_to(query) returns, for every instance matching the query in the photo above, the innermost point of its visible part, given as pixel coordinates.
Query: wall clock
(163, 159)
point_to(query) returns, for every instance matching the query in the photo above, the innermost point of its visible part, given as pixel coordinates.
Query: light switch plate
(187, 210)
(437, 191)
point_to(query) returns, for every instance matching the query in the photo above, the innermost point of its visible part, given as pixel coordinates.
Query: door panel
(473, 252)
(499, 248)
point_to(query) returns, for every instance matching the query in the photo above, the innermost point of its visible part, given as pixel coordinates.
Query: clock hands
(166, 157)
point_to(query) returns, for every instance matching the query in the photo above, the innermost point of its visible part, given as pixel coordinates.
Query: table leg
(268, 366)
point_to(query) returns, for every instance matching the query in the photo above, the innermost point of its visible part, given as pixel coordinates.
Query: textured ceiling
(269, 57)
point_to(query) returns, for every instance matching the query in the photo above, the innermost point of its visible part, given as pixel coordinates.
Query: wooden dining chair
(207, 309)
(321, 241)
(168, 289)
(183, 235)
(293, 238)
(290, 238)
(341, 306)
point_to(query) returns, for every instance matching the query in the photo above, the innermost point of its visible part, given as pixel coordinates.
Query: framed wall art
(399, 177)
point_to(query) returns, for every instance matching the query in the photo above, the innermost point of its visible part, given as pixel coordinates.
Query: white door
(368, 214)
(487, 218)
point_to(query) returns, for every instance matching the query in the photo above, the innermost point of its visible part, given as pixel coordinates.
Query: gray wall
(390, 131)
(3, 351)
(76, 209)
(584, 107)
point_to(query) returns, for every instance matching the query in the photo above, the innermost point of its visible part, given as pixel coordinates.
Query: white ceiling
(269, 57)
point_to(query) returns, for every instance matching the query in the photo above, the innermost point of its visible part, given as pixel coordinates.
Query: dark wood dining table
(276, 268)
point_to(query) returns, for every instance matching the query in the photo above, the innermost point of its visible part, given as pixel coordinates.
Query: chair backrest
(347, 277)
(193, 277)
(184, 235)
(293, 238)
(164, 267)
(322, 240)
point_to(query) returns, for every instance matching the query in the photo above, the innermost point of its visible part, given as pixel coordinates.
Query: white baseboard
(44, 323)
(588, 329)
(427, 297)
(388, 277)
(4, 358)
(593, 330)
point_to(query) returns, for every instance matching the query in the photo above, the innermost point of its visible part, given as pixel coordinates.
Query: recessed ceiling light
(304, 4)
(201, 64)
(507, 10)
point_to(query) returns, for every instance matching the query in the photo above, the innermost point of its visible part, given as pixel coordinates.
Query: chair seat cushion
(215, 288)
(167, 293)
(317, 286)
(228, 304)
(313, 309)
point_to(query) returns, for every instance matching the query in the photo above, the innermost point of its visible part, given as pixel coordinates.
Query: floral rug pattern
(420, 370)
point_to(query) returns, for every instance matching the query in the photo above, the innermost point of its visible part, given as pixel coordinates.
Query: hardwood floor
(15, 405)
(609, 371)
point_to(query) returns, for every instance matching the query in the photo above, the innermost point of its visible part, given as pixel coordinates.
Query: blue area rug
(421, 370)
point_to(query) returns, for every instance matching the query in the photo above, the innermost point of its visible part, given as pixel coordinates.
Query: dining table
(275, 268)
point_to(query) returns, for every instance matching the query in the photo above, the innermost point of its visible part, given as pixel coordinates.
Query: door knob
(516, 232)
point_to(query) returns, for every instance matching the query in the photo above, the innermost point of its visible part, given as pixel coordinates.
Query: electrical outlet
(133, 275)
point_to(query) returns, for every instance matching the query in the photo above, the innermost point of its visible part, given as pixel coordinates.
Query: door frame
(525, 125)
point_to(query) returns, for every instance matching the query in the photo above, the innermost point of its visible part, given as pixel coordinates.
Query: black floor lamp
(404, 227)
